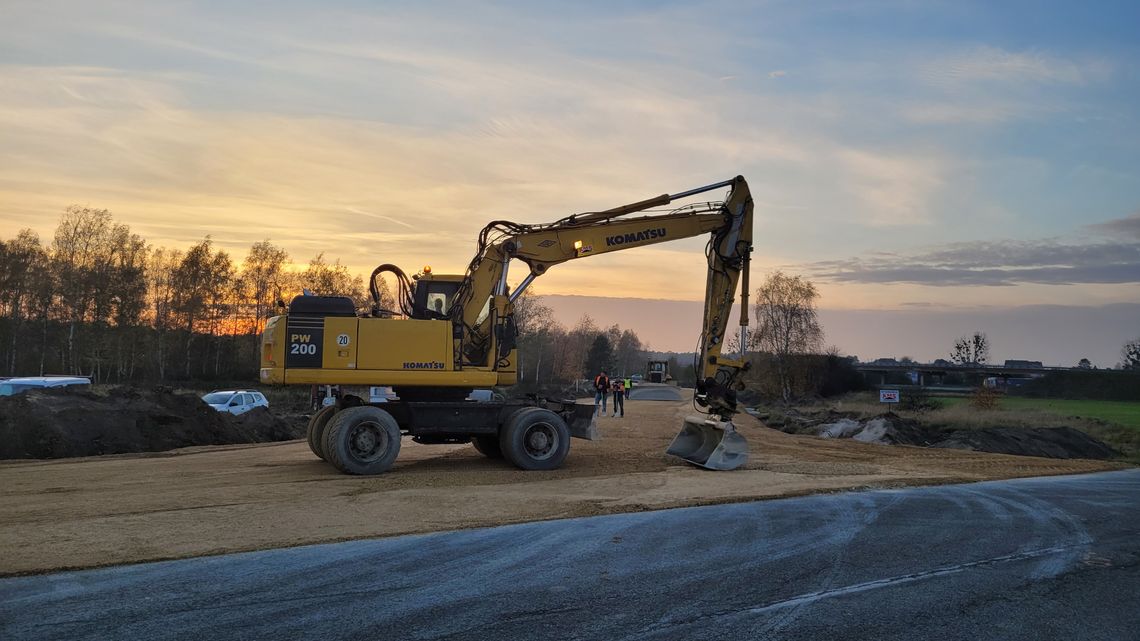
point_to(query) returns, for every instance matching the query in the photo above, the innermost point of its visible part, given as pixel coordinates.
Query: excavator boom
(712, 442)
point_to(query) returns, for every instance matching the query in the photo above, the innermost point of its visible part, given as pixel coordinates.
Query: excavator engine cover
(710, 443)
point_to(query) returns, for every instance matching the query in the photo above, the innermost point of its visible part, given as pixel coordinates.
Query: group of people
(605, 387)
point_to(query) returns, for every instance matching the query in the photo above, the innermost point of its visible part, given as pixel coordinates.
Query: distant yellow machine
(455, 333)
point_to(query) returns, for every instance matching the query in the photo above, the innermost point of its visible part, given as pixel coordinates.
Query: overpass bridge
(934, 374)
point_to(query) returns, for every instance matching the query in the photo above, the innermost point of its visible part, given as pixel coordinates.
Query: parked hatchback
(235, 401)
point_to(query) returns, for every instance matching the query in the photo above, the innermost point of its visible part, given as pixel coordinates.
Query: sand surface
(88, 512)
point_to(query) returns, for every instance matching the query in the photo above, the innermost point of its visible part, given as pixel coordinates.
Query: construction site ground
(97, 511)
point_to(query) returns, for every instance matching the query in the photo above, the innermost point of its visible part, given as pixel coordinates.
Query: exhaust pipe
(710, 443)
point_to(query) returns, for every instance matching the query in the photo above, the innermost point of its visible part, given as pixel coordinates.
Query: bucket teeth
(709, 443)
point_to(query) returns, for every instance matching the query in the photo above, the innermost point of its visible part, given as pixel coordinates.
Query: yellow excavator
(455, 333)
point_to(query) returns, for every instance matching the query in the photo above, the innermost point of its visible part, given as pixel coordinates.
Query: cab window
(434, 298)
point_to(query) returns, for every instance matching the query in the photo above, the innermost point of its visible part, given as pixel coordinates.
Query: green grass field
(1123, 413)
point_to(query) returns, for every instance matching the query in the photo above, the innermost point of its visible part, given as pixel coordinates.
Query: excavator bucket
(584, 422)
(710, 443)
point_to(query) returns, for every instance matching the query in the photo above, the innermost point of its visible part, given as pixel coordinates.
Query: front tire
(535, 439)
(362, 440)
(316, 430)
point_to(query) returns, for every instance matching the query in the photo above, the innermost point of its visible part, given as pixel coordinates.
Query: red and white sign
(888, 396)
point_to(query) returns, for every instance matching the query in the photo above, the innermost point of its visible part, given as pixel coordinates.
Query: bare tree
(971, 350)
(161, 267)
(21, 260)
(786, 323)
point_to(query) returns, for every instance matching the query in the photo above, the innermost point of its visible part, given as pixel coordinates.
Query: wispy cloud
(993, 64)
(1004, 263)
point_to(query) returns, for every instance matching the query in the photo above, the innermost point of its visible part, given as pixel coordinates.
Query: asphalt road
(1046, 558)
(655, 392)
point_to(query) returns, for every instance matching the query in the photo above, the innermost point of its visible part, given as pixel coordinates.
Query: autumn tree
(787, 324)
(536, 327)
(1130, 355)
(263, 274)
(971, 350)
(629, 353)
(325, 279)
(201, 282)
(600, 357)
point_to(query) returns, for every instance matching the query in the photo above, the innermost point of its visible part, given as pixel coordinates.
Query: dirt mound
(1048, 442)
(61, 422)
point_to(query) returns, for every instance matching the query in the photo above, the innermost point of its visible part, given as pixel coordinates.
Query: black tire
(488, 445)
(535, 439)
(362, 440)
(316, 430)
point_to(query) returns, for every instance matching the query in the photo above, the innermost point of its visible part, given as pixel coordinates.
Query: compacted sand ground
(88, 512)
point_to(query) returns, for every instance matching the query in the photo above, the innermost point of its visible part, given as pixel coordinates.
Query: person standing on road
(601, 391)
(628, 384)
(619, 398)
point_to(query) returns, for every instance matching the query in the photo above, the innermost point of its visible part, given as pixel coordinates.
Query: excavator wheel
(316, 430)
(362, 440)
(488, 445)
(535, 439)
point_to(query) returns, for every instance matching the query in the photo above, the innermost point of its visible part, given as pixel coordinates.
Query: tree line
(552, 355)
(98, 300)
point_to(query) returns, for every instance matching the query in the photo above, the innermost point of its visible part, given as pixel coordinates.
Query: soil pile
(60, 422)
(1047, 442)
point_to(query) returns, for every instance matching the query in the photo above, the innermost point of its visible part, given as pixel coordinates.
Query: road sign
(888, 396)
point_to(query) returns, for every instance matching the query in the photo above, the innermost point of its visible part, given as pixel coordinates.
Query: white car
(11, 386)
(235, 401)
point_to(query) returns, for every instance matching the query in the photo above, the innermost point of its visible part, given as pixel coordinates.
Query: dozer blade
(709, 443)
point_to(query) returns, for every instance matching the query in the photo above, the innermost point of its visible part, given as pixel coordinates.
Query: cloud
(778, 73)
(986, 64)
(1004, 263)
(894, 189)
(1127, 226)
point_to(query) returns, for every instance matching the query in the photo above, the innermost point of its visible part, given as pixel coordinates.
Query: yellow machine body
(349, 350)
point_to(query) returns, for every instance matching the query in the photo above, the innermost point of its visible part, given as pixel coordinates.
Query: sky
(962, 159)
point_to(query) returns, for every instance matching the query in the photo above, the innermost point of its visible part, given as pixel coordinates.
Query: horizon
(958, 165)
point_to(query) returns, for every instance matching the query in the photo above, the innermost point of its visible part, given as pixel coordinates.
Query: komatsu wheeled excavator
(455, 333)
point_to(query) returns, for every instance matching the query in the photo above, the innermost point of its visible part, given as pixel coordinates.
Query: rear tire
(488, 445)
(535, 439)
(316, 430)
(362, 440)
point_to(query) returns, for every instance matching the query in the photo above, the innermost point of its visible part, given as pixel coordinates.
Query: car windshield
(217, 398)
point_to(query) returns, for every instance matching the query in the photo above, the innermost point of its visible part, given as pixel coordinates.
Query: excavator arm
(484, 300)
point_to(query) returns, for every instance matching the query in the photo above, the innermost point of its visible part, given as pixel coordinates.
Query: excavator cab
(434, 296)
